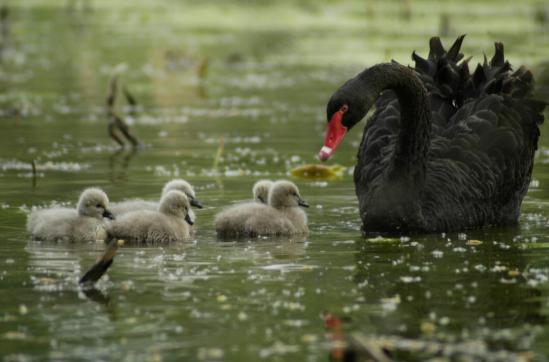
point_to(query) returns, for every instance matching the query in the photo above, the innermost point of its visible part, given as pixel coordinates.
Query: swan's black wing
(484, 134)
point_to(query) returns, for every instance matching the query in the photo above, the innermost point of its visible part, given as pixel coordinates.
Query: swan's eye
(344, 108)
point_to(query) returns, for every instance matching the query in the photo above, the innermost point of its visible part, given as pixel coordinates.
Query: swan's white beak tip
(325, 153)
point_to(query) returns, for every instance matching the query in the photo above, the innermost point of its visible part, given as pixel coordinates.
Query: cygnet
(282, 215)
(170, 223)
(85, 223)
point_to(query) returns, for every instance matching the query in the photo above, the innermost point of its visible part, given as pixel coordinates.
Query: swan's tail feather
(423, 64)
(436, 50)
(444, 75)
(454, 53)
(479, 76)
(498, 59)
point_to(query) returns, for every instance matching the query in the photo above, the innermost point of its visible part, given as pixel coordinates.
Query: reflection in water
(97, 296)
(442, 288)
(119, 162)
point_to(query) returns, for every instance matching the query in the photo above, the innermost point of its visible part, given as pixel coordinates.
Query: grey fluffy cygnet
(85, 223)
(120, 208)
(261, 189)
(282, 215)
(170, 223)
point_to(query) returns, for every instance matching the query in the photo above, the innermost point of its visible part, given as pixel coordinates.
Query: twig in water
(33, 165)
(102, 264)
(4, 22)
(113, 132)
(111, 96)
(4, 28)
(202, 69)
(123, 127)
(219, 153)
(129, 97)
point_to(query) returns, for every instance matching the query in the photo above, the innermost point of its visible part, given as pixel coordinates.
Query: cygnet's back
(170, 223)
(184, 187)
(231, 220)
(281, 216)
(123, 207)
(261, 189)
(85, 223)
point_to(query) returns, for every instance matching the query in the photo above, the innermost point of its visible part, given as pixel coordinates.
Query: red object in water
(333, 324)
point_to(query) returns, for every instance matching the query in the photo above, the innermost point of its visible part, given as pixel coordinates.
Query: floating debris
(381, 348)
(382, 240)
(427, 327)
(33, 164)
(316, 171)
(7, 165)
(202, 69)
(473, 242)
(285, 268)
(218, 153)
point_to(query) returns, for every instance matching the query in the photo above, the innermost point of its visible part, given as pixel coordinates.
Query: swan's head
(94, 202)
(285, 194)
(184, 187)
(347, 106)
(261, 190)
(177, 204)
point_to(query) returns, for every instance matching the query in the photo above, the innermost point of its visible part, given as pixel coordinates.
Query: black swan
(445, 150)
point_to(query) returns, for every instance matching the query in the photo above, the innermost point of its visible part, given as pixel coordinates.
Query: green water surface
(271, 66)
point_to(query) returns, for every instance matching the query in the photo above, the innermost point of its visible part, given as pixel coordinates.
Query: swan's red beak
(335, 133)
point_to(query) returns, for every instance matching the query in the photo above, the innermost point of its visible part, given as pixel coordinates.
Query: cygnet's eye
(98, 206)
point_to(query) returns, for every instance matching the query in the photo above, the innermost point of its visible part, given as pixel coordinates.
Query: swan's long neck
(415, 112)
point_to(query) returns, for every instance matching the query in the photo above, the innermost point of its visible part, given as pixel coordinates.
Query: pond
(229, 93)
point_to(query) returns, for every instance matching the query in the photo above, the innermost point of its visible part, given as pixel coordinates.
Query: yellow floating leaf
(309, 338)
(428, 327)
(513, 273)
(474, 242)
(317, 171)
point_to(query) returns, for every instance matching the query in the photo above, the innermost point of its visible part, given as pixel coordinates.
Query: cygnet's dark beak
(108, 214)
(302, 203)
(189, 220)
(195, 203)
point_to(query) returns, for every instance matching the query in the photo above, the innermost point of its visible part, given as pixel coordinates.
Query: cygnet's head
(261, 190)
(94, 202)
(285, 194)
(176, 203)
(184, 187)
